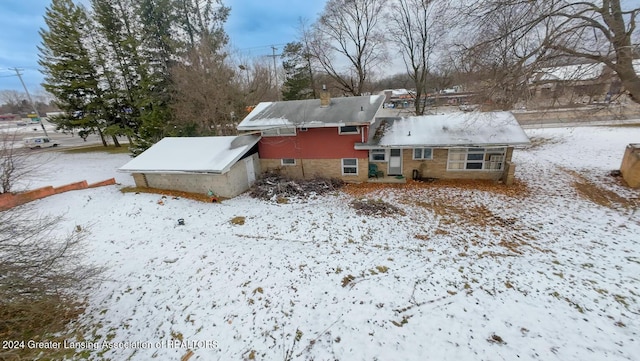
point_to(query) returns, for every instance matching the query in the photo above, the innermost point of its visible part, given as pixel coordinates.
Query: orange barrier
(10, 200)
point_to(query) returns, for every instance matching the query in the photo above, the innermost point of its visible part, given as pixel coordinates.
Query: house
(225, 166)
(457, 145)
(316, 137)
(589, 80)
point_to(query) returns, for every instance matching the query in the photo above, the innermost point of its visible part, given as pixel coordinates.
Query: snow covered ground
(540, 273)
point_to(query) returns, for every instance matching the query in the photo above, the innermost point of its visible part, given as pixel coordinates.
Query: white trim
(282, 162)
(279, 132)
(343, 166)
(389, 165)
(413, 153)
(486, 158)
(385, 153)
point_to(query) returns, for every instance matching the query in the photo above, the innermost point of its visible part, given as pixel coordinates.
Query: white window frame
(489, 159)
(422, 157)
(350, 132)
(377, 151)
(279, 132)
(344, 166)
(283, 163)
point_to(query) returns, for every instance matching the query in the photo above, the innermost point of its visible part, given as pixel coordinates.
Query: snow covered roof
(192, 154)
(571, 72)
(447, 130)
(309, 113)
(398, 92)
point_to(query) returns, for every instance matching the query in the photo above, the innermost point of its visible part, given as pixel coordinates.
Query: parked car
(39, 142)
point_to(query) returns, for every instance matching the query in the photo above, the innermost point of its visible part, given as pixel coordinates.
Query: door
(395, 162)
(251, 172)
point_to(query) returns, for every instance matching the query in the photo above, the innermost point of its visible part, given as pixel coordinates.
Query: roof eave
(367, 146)
(173, 171)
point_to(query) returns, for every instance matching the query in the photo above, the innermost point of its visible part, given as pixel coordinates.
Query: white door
(395, 162)
(251, 172)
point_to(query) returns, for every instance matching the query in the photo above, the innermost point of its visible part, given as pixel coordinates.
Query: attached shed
(226, 166)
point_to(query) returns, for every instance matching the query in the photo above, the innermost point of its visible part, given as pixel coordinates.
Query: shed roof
(308, 113)
(192, 154)
(448, 130)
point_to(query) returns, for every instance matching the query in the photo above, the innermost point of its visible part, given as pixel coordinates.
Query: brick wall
(226, 185)
(437, 166)
(311, 168)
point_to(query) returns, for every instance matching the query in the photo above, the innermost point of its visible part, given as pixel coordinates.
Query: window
(422, 153)
(349, 129)
(276, 132)
(378, 155)
(491, 159)
(287, 161)
(349, 166)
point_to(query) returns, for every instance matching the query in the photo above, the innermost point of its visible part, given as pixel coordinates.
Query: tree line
(493, 47)
(146, 69)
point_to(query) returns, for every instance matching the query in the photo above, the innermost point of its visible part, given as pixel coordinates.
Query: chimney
(325, 97)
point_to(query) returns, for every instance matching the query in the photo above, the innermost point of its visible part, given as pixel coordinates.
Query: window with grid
(350, 166)
(422, 153)
(378, 155)
(476, 159)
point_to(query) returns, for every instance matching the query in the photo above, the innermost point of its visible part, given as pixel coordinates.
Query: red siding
(315, 143)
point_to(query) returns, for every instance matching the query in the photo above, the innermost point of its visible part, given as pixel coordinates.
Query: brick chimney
(325, 97)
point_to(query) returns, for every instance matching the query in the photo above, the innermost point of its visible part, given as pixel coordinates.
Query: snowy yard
(547, 271)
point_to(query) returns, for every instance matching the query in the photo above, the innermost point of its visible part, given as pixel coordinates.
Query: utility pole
(33, 105)
(275, 70)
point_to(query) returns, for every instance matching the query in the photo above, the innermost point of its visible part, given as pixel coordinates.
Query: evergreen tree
(116, 47)
(297, 68)
(70, 74)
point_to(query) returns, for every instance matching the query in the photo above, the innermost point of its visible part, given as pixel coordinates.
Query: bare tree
(15, 165)
(13, 101)
(527, 34)
(42, 271)
(206, 99)
(42, 278)
(417, 28)
(348, 42)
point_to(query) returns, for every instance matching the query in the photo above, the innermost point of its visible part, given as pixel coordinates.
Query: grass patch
(238, 221)
(111, 149)
(43, 319)
(347, 279)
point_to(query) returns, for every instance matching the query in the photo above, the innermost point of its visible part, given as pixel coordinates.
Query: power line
(262, 46)
(275, 69)
(30, 100)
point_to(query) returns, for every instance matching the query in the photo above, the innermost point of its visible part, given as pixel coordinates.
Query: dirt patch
(539, 142)
(518, 189)
(378, 207)
(598, 194)
(175, 194)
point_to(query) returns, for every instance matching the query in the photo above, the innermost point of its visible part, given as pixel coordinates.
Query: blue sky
(253, 26)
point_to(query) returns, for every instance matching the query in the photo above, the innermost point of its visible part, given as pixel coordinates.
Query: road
(65, 140)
